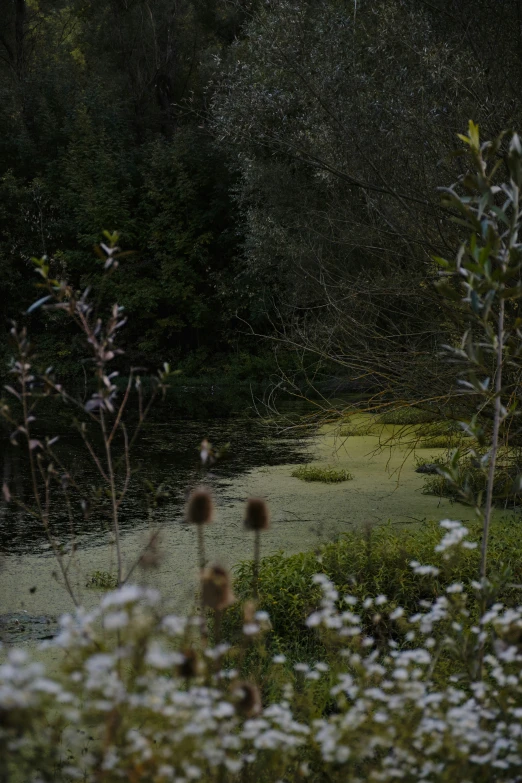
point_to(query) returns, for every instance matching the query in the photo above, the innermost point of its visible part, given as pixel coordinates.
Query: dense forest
(271, 169)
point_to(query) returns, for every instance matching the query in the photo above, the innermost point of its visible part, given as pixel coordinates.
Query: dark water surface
(165, 455)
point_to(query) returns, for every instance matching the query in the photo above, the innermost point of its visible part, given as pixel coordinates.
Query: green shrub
(368, 563)
(327, 475)
(472, 478)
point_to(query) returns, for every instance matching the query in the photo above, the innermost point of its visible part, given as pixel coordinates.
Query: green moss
(327, 475)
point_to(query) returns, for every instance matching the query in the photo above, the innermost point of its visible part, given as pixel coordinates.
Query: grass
(327, 475)
(102, 580)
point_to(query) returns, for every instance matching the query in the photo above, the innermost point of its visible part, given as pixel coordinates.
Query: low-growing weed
(102, 580)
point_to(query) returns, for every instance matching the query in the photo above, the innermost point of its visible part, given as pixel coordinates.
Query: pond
(260, 461)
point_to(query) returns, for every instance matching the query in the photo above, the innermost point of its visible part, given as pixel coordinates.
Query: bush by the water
(359, 430)
(440, 442)
(471, 479)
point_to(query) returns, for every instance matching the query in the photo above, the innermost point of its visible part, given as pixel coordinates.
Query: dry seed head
(200, 507)
(257, 516)
(248, 699)
(216, 588)
(191, 666)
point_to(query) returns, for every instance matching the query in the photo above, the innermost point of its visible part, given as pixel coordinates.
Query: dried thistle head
(247, 698)
(216, 588)
(200, 507)
(257, 516)
(191, 666)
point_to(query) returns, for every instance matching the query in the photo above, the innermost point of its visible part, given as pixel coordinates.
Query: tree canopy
(273, 167)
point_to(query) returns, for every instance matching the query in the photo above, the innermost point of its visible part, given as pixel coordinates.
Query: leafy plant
(103, 413)
(485, 281)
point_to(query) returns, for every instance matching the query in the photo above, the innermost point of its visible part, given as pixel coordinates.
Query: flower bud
(191, 665)
(257, 516)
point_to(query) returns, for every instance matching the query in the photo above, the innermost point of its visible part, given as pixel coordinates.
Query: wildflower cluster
(142, 695)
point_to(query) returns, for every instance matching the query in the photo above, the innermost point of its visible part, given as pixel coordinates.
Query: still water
(164, 455)
(261, 457)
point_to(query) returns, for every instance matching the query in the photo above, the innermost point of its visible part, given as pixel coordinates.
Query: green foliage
(375, 562)
(470, 479)
(97, 139)
(335, 223)
(327, 475)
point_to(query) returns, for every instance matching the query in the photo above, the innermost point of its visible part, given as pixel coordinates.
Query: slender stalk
(126, 455)
(43, 514)
(494, 442)
(218, 618)
(257, 560)
(114, 500)
(93, 455)
(122, 407)
(201, 548)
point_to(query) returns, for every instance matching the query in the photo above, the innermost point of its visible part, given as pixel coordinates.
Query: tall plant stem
(201, 548)
(202, 560)
(257, 560)
(42, 513)
(494, 442)
(114, 499)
